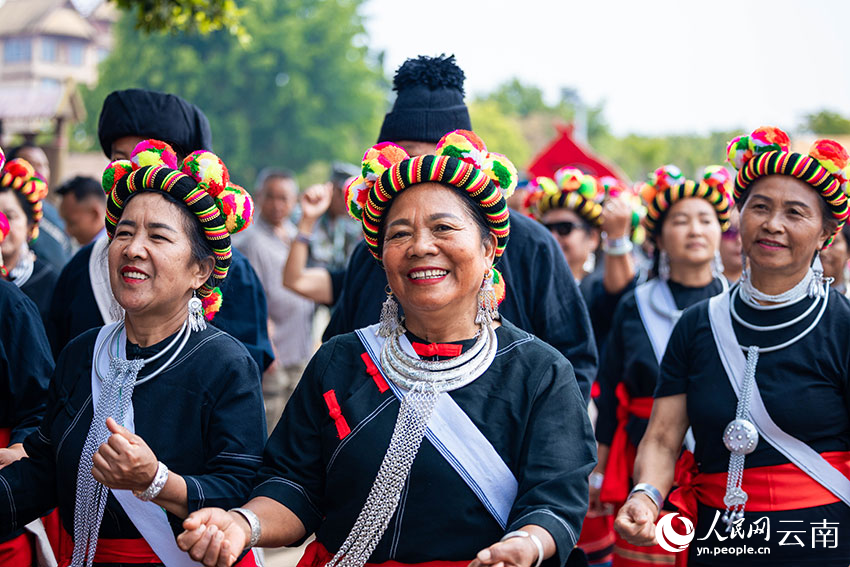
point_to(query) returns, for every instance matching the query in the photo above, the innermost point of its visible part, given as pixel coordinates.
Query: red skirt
(317, 556)
(136, 552)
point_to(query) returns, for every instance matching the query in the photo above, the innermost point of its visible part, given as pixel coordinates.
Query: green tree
(304, 90)
(827, 123)
(185, 15)
(501, 132)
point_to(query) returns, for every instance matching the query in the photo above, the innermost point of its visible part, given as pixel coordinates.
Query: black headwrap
(429, 102)
(150, 114)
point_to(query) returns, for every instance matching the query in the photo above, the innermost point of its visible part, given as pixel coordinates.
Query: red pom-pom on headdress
(153, 152)
(208, 170)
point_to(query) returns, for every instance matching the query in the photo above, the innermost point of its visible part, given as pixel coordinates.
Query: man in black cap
(542, 297)
(83, 300)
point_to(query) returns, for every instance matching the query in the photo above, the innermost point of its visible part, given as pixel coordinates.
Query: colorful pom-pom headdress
(570, 189)
(461, 161)
(767, 152)
(18, 174)
(201, 182)
(667, 185)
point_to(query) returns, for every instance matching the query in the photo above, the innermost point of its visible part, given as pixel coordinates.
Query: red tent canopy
(564, 151)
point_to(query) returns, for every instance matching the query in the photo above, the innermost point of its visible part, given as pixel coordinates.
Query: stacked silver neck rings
(424, 381)
(741, 436)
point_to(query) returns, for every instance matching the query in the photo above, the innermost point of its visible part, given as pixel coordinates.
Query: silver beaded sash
(90, 504)
(423, 386)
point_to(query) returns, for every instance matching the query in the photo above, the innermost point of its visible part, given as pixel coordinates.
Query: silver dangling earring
(197, 321)
(589, 264)
(816, 284)
(745, 271)
(488, 306)
(717, 267)
(664, 266)
(389, 321)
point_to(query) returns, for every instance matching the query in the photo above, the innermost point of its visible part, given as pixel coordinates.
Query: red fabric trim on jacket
(372, 370)
(335, 412)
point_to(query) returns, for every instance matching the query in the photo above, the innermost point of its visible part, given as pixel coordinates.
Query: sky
(657, 66)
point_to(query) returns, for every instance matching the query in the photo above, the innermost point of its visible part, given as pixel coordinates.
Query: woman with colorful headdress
(502, 476)
(158, 414)
(760, 373)
(685, 220)
(25, 368)
(570, 207)
(22, 191)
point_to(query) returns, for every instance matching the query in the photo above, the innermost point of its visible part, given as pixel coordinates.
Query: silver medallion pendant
(741, 437)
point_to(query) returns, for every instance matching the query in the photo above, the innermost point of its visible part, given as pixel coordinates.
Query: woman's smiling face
(782, 224)
(151, 267)
(433, 251)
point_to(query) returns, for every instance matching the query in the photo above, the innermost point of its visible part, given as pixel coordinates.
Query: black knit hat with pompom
(429, 102)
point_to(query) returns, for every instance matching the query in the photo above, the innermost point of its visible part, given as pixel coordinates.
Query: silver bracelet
(596, 479)
(534, 539)
(253, 522)
(617, 246)
(156, 486)
(653, 493)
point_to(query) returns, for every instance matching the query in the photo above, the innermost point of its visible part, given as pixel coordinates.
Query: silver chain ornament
(424, 382)
(90, 503)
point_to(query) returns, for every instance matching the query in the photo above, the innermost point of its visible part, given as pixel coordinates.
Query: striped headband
(201, 183)
(461, 161)
(667, 185)
(767, 152)
(571, 189)
(20, 175)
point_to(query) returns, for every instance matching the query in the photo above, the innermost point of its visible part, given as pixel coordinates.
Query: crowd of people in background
(427, 360)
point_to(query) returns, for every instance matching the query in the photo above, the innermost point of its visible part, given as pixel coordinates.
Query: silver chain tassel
(488, 306)
(90, 503)
(741, 438)
(389, 321)
(413, 416)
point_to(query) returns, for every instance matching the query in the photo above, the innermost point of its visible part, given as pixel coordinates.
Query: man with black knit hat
(542, 297)
(83, 300)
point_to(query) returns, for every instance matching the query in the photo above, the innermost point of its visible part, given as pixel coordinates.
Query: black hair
(469, 206)
(200, 247)
(13, 153)
(82, 188)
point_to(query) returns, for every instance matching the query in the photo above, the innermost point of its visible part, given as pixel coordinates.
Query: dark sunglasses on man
(563, 228)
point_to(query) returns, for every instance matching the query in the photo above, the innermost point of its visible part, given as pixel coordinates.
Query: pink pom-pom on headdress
(375, 162)
(236, 207)
(153, 152)
(464, 145)
(833, 157)
(113, 173)
(4, 225)
(208, 170)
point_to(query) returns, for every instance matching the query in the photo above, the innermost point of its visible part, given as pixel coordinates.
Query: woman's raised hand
(316, 200)
(214, 536)
(125, 461)
(636, 521)
(617, 217)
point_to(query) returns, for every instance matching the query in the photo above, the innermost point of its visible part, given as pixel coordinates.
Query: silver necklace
(22, 272)
(741, 436)
(423, 388)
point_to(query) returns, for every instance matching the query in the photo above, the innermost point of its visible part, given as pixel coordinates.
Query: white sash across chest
(458, 440)
(149, 519)
(735, 364)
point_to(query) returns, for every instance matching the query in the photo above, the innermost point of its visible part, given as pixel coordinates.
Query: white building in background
(46, 42)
